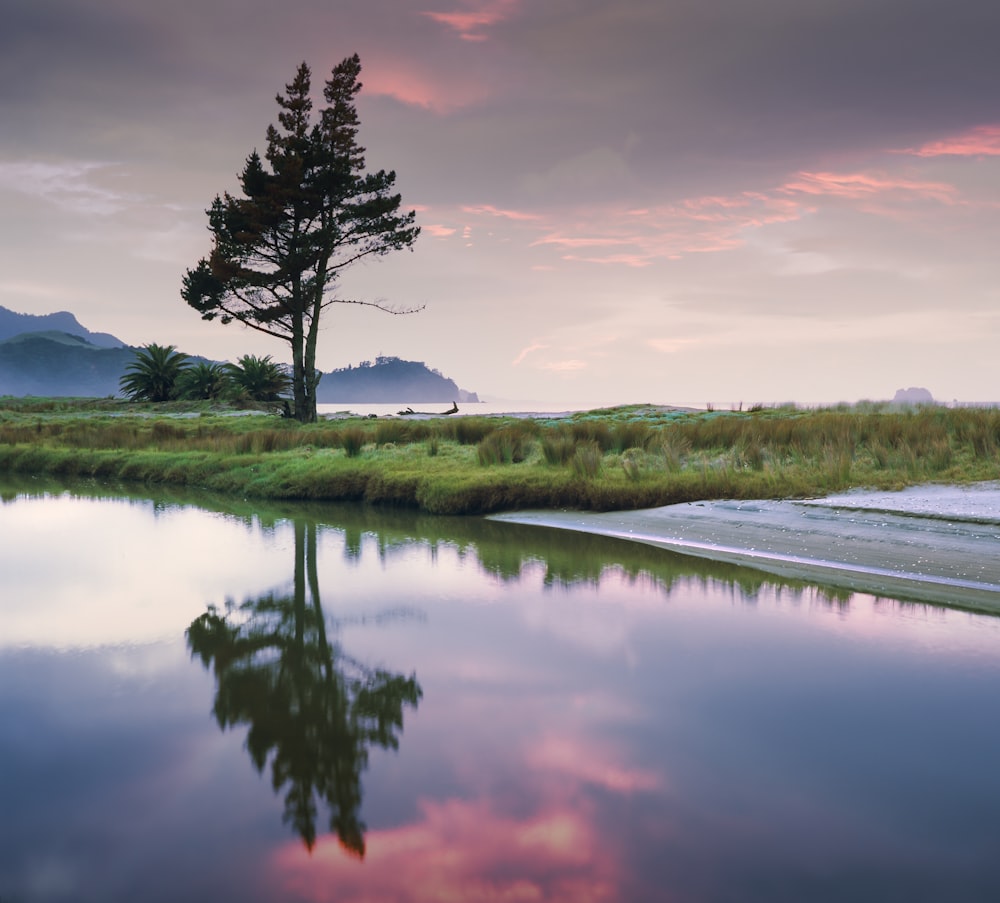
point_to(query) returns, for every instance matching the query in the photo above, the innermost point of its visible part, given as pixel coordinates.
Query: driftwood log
(408, 411)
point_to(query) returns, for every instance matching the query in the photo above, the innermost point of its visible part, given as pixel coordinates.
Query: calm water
(208, 703)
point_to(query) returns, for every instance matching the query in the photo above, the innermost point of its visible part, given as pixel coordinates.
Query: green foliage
(597, 432)
(469, 430)
(632, 465)
(508, 445)
(400, 432)
(154, 374)
(557, 447)
(786, 453)
(203, 381)
(586, 460)
(631, 434)
(352, 440)
(258, 378)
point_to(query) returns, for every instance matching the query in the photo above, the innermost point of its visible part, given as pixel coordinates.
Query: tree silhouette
(312, 711)
(308, 210)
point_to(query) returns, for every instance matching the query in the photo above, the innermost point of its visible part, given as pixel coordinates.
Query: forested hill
(389, 380)
(14, 324)
(53, 363)
(54, 355)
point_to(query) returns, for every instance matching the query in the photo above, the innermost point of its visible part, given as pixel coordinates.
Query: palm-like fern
(153, 374)
(204, 381)
(259, 378)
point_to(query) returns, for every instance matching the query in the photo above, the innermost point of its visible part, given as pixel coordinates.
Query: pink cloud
(439, 231)
(393, 79)
(640, 237)
(490, 210)
(565, 366)
(574, 241)
(469, 22)
(586, 763)
(530, 349)
(629, 260)
(861, 185)
(459, 850)
(982, 141)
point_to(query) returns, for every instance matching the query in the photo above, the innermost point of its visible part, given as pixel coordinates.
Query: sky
(662, 201)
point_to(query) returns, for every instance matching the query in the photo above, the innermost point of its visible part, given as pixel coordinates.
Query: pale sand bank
(930, 543)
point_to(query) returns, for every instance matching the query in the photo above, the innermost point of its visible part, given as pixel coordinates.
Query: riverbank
(632, 457)
(936, 543)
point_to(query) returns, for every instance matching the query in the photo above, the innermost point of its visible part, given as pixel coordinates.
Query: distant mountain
(13, 324)
(389, 380)
(913, 395)
(54, 363)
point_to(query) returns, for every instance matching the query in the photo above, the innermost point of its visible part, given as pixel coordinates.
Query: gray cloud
(701, 85)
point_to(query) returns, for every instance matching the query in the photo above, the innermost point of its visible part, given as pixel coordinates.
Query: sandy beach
(937, 544)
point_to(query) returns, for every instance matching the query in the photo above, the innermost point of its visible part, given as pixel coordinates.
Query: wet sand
(936, 544)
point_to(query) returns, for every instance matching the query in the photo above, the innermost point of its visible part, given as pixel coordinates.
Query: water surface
(203, 700)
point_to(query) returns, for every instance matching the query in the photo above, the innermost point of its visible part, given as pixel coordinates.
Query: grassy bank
(628, 457)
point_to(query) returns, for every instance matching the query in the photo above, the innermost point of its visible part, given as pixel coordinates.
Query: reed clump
(507, 445)
(615, 458)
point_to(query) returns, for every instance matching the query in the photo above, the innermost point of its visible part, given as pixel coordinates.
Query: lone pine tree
(306, 214)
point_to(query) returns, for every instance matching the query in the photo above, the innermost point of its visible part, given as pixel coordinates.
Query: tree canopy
(305, 213)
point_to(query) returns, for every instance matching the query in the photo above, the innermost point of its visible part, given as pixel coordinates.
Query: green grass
(630, 457)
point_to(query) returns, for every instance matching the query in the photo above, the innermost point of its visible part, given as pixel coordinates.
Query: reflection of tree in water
(310, 708)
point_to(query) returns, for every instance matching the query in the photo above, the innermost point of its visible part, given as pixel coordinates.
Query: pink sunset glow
(418, 88)
(470, 21)
(861, 185)
(459, 850)
(490, 210)
(981, 141)
(585, 181)
(587, 763)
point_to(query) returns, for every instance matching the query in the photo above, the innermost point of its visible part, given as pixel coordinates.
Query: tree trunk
(309, 354)
(299, 379)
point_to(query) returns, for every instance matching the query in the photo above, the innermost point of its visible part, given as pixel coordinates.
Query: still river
(206, 700)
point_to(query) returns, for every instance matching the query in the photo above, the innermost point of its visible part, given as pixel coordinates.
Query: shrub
(352, 440)
(468, 430)
(587, 459)
(632, 466)
(396, 432)
(596, 432)
(163, 431)
(557, 448)
(503, 446)
(631, 434)
(673, 450)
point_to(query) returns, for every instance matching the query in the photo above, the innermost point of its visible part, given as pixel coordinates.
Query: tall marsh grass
(614, 459)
